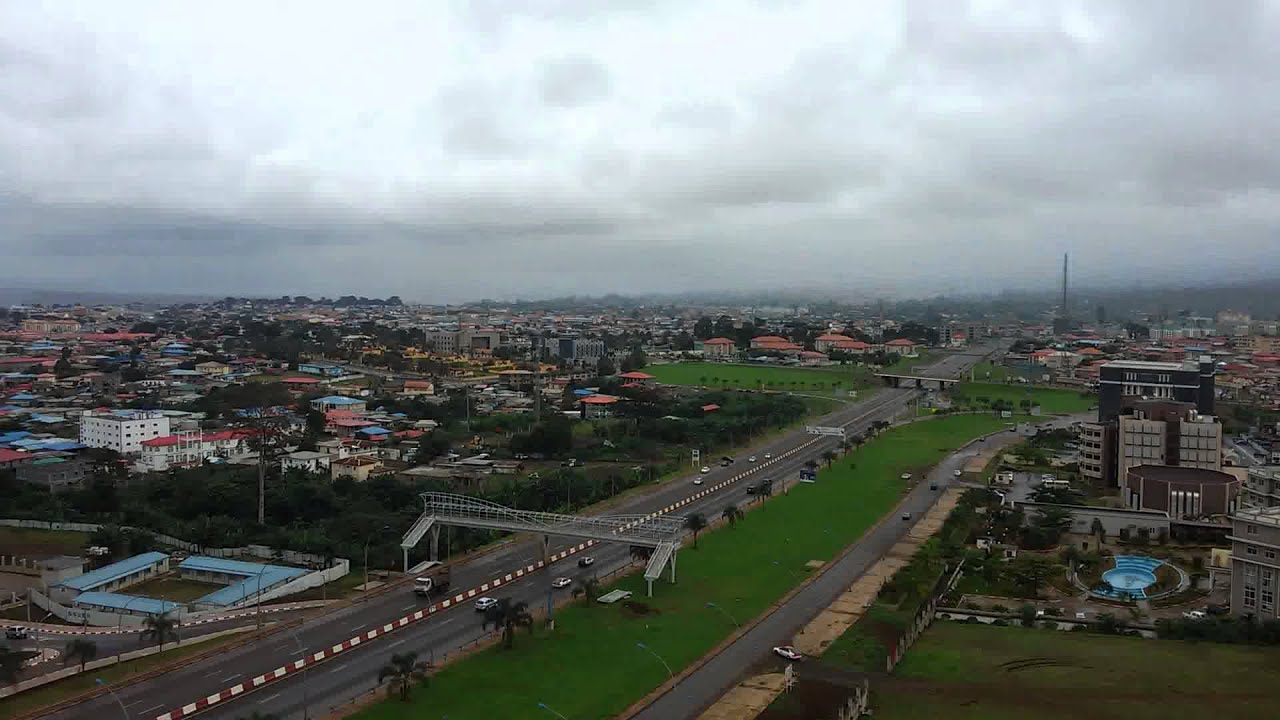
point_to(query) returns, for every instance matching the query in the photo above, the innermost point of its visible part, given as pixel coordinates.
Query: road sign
(824, 430)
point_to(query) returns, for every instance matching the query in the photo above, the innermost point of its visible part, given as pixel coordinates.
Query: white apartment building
(190, 448)
(122, 430)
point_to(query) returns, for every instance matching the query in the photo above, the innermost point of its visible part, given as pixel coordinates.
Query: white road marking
(269, 698)
(340, 667)
(153, 707)
(231, 677)
(407, 608)
(398, 642)
(357, 627)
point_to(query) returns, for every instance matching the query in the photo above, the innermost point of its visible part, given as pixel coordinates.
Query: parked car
(561, 582)
(1216, 609)
(1195, 615)
(485, 603)
(16, 632)
(586, 561)
(788, 652)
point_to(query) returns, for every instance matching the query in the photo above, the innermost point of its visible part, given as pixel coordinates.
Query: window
(1250, 529)
(1250, 597)
(1251, 550)
(1269, 554)
(1250, 576)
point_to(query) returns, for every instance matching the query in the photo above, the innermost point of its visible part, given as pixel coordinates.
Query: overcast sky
(507, 148)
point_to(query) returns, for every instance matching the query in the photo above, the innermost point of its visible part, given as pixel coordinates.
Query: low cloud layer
(505, 149)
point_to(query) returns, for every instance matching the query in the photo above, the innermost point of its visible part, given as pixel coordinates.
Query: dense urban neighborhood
(171, 467)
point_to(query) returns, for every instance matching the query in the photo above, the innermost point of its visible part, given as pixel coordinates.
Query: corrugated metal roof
(114, 571)
(133, 603)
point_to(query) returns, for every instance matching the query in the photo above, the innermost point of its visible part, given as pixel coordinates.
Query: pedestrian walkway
(751, 696)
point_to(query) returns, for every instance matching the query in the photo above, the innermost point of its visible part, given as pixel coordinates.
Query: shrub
(999, 608)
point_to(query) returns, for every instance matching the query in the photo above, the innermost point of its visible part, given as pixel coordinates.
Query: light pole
(120, 626)
(368, 540)
(725, 613)
(257, 606)
(306, 701)
(548, 708)
(103, 683)
(649, 650)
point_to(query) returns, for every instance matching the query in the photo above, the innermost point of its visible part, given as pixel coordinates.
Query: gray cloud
(510, 149)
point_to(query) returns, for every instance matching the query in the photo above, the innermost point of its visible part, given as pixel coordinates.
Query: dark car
(1217, 609)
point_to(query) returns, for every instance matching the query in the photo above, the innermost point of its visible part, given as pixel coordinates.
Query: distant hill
(31, 296)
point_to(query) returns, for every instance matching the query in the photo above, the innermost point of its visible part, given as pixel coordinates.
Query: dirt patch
(638, 609)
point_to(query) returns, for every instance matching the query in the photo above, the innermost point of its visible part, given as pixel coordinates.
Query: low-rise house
(719, 347)
(357, 468)
(213, 368)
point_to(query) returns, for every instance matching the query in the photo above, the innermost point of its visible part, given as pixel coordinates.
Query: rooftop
(132, 603)
(1261, 516)
(114, 571)
(256, 576)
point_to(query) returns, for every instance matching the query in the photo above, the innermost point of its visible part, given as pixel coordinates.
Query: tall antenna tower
(1064, 285)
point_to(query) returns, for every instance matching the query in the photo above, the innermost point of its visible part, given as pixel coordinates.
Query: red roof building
(719, 347)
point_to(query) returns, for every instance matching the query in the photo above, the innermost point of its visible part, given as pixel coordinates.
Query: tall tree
(731, 513)
(509, 615)
(695, 523)
(81, 649)
(403, 671)
(160, 628)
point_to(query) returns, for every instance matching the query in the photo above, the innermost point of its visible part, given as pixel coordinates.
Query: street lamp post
(120, 626)
(306, 701)
(548, 708)
(649, 650)
(368, 540)
(725, 613)
(123, 712)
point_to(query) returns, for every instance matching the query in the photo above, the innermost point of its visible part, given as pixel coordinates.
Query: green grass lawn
(23, 541)
(174, 589)
(968, 672)
(763, 377)
(64, 689)
(1051, 401)
(590, 666)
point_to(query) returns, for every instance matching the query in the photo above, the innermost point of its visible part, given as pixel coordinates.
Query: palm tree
(829, 456)
(81, 648)
(765, 489)
(696, 523)
(508, 615)
(732, 514)
(403, 670)
(161, 628)
(588, 587)
(702, 380)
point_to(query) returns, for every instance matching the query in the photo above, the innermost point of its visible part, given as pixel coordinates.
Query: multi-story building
(56, 473)
(719, 348)
(1269, 344)
(1255, 562)
(1185, 493)
(121, 430)
(1262, 486)
(1165, 433)
(580, 351)
(1125, 382)
(187, 449)
(464, 342)
(1097, 454)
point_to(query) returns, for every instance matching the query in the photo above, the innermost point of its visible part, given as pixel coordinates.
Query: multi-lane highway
(446, 632)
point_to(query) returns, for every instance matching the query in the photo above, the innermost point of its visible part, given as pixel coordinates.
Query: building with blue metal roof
(243, 580)
(124, 604)
(118, 574)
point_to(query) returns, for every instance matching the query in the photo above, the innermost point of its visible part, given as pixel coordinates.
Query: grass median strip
(591, 666)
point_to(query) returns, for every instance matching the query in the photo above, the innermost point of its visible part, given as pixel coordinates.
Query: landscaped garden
(1020, 397)
(590, 665)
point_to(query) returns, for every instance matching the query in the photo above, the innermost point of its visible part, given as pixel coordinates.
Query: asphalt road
(351, 673)
(696, 692)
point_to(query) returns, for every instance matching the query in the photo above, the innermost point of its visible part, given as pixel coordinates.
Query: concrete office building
(1165, 433)
(1255, 562)
(121, 430)
(464, 342)
(1123, 383)
(1262, 487)
(1185, 493)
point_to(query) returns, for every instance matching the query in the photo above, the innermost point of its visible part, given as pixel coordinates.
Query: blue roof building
(130, 604)
(119, 574)
(244, 579)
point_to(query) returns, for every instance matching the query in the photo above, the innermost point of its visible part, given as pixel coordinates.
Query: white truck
(433, 578)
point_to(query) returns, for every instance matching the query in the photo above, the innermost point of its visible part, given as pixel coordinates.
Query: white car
(787, 652)
(485, 603)
(16, 632)
(697, 481)
(957, 473)
(905, 476)
(751, 459)
(768, 456)
(705, 470)
(586, 561)
(1195, 615)
(561, 582)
